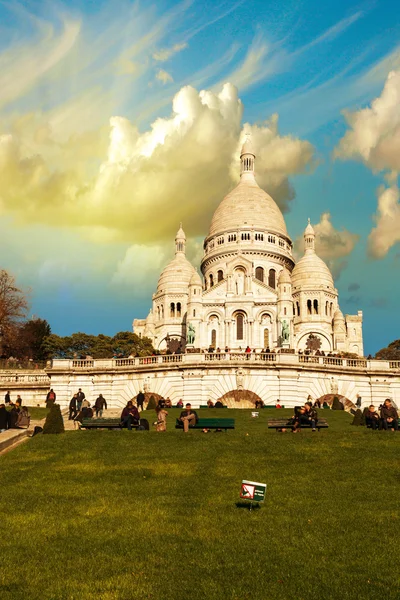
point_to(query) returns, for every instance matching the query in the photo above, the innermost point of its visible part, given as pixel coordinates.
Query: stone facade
(236, 378)
(251, 293)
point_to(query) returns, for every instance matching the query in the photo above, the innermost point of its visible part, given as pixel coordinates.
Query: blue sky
(120, 119)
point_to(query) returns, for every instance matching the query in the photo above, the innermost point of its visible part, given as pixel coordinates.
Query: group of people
(80, 407)
(13, 415)
(387, 417)
(187, 417)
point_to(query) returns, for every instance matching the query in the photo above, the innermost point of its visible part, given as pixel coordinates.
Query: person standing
(187, 417)
(99, 405)
(51, 397)
(140, 398)
(73, 407)
(7, 398)
(79, 399)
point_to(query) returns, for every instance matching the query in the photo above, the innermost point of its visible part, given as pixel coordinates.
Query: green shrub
(336, 404)
(54, 422)
(151, 404)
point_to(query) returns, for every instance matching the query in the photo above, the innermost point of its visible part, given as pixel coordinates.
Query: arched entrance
(348, 405)
(239, 399)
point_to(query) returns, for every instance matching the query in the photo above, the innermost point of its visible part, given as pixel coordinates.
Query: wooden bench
(105, 424)
(279, 424)
(209, 424)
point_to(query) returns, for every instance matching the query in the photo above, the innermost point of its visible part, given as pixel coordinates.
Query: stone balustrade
(287, 359)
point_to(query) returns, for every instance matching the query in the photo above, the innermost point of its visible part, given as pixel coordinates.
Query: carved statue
(191, 333)
(239, 379)
(239, 283)
(285, 331)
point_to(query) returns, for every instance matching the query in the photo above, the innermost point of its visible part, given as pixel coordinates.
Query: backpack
(37, 430)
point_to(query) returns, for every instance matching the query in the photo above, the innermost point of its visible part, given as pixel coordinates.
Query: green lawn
(120, 515)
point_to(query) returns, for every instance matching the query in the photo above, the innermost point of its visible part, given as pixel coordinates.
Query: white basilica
(252, 292)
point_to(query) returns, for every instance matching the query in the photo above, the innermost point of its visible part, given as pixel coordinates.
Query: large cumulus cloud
(139, 185)
(374, 138)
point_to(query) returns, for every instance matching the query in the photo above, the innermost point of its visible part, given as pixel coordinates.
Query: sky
(119, 120)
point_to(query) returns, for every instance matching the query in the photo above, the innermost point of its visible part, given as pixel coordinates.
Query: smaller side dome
(150, 318)
(195, 279)
(284, 277)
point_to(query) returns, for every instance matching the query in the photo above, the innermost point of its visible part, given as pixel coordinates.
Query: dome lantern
(309, 238)
(247, 159)
(180, 241)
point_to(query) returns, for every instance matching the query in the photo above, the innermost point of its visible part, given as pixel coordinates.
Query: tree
(391, 352)
(13, 308)
(54, 422)
(32, 334)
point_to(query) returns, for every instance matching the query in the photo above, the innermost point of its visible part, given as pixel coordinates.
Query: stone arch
(239, 399)
(348, 405)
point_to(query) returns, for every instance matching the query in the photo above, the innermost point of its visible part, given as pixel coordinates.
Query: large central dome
(247, 205)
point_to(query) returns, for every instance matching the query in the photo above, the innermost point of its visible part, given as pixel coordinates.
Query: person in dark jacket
(7, 397)
(372, 418)
(140, 398)
(389, 416)
(188, 417)
(79, 399)
(219, 404)
(99, 405)
(306, 415)
(73, 407)
(13, 416)
(3, 418)
(130, 415)
(51, 396)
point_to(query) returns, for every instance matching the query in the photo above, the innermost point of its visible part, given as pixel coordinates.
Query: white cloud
(374, 132)
(139, 185)
(332, 245)
(163, 76)
(387, 231)
(23, 66)
(166, 53)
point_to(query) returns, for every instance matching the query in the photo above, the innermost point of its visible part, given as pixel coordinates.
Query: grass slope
(118, 515)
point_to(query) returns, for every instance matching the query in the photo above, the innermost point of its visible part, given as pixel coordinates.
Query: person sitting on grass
(13, 416)
(389, 416)
(187, 417)
(219, 404)
(179, 404)
(130, 416)
(372, 418)
(306, 415)
(162, 414)
(210, 404)
(259, 404)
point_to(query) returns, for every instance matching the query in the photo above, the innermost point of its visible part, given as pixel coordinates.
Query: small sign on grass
(254, 414)
(253, 490)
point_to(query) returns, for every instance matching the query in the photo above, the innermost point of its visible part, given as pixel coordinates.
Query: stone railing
(284, 358)
(23, 378)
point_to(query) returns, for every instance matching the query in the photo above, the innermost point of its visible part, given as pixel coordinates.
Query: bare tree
(13, 307)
